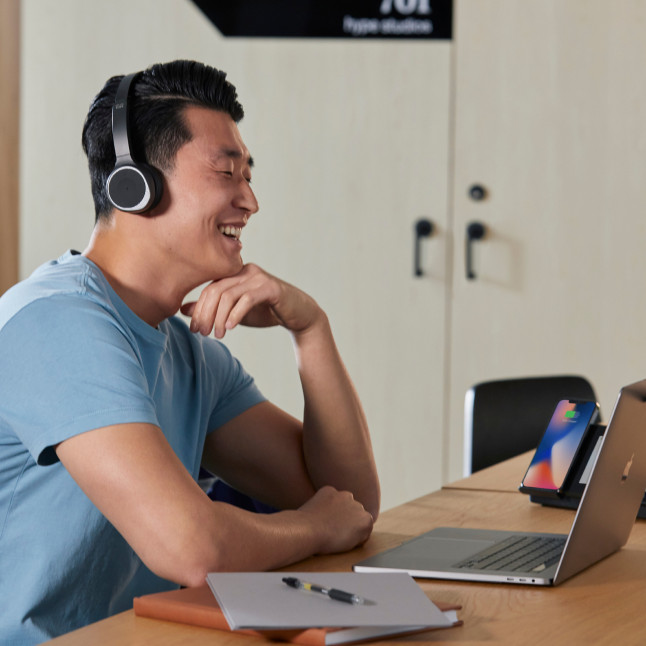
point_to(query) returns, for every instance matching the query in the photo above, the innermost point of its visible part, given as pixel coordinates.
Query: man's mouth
(230, 232)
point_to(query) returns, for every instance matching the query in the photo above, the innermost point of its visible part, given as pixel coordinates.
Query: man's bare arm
(336, 440)
(132, 475)
(335, 445)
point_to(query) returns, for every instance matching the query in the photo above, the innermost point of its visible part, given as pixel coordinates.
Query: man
(109, 404)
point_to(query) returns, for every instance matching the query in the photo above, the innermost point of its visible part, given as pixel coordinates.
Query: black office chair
(507, 417)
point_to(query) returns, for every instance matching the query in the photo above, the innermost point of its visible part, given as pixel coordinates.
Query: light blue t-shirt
(74, 358)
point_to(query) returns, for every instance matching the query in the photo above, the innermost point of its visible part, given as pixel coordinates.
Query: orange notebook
(198, 607)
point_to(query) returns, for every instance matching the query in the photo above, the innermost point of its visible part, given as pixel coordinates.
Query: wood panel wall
(9, 140)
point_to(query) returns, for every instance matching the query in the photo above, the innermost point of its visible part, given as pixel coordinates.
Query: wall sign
(358, 19)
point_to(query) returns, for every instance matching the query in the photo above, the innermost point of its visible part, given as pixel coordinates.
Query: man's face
(210, 199)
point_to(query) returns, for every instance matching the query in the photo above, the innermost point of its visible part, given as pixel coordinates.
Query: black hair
(158, 97)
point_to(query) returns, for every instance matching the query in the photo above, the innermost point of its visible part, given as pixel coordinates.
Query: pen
(333, 593)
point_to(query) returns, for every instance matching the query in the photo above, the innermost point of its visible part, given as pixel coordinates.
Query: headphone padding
(134, 188)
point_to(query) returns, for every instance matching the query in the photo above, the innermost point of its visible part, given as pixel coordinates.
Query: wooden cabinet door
(550, 99)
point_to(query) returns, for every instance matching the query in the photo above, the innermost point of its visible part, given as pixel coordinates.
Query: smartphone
(552, 463)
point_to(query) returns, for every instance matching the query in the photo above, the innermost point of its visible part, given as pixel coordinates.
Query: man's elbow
(188, 562)
(193, 577)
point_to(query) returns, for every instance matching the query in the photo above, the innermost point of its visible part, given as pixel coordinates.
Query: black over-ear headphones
(131, 186)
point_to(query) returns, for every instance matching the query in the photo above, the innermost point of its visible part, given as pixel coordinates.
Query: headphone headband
(132, 186)
(120, 131)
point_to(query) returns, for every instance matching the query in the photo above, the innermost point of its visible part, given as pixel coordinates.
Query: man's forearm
(336, 439)
(237, 540)
(182, 534)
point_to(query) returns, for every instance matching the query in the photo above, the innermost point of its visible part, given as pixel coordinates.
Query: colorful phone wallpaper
(558, 446)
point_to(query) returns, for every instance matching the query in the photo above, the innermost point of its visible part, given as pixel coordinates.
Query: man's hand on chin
(254, 298)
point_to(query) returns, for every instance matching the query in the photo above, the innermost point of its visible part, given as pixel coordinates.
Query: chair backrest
(507, 417)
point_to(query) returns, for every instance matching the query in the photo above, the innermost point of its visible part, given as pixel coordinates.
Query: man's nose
(247, 198)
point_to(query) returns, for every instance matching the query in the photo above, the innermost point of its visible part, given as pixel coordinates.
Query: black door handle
(477, 192)
(423, 229)
(475, 231)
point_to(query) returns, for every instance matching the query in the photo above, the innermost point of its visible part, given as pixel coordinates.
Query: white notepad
(262, 601)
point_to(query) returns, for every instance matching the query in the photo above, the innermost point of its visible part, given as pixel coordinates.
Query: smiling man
(110, 404)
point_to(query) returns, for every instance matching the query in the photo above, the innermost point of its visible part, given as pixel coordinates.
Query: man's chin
(233, 269)
(238, 266)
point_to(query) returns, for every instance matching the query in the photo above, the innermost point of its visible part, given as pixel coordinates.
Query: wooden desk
(603, 605)
(505, 476)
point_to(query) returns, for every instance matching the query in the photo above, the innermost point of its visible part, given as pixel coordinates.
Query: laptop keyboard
(517, 553)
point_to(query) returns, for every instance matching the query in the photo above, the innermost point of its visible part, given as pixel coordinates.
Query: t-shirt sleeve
(69, 369)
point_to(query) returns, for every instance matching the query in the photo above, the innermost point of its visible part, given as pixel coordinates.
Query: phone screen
(553, 458)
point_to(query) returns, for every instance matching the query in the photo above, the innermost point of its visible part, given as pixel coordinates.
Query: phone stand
(575, 484)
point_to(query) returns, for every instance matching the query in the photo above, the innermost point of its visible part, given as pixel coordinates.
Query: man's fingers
(212, 308)
(239, 311)
(234, 305)
(187, 309)
(247, 297)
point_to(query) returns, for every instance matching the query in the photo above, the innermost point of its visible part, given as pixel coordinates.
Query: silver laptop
(602, 524)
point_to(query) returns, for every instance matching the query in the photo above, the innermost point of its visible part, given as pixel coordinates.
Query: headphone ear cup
(158, 184)
(135, 188)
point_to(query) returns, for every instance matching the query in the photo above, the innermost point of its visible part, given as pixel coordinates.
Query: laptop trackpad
(449, 550)
(429, 552)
